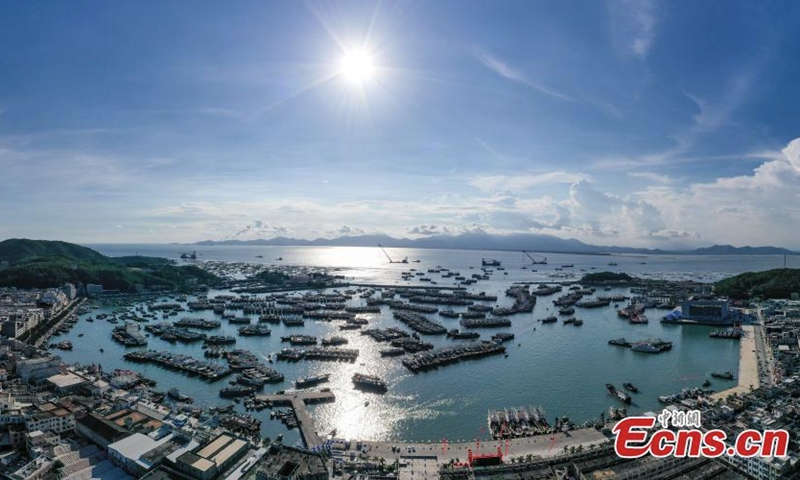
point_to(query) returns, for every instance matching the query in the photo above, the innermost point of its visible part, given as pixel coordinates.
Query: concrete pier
(298, 402)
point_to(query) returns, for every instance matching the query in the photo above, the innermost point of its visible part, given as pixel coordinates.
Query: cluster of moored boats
(517, 422)
(653, 345)
(451, 354)
(185, 363)
(318, 353)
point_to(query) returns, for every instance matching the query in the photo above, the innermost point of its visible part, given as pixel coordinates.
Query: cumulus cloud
(259, 229)
(428, 230)
(345, 231)
(742, 208)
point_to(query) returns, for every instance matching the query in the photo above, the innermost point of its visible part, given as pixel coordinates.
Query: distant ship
(311, 381)
(189, 256)
(490, 263)
(369, 382)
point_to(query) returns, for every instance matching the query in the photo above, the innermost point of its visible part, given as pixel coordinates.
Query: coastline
(748, 366)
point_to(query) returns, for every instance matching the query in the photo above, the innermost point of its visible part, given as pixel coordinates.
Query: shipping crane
(405, 260)
(542, 260)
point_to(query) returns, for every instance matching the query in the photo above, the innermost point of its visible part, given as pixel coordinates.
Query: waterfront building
(212, 458)
(705, 310)
(138, 453)
(93, 290)
(39, 368)
(65, 383)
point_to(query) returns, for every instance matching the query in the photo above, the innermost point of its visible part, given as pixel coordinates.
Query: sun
(357, 66)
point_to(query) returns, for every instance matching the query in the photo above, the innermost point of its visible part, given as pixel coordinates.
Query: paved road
(766, 367)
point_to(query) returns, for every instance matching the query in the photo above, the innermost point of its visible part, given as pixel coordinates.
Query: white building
(59, 420)
(38, 368)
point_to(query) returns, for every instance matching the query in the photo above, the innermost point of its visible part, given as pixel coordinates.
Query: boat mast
(405, 260)
(543, 260)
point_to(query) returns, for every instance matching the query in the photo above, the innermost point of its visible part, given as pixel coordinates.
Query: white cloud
(429, 229)
(501, 68)
(491, 183)
(260, 229)
(652, 177)
(756, 209)
(633, 24)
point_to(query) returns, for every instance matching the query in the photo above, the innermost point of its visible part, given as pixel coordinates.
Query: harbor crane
(405, 260)
(541, 259)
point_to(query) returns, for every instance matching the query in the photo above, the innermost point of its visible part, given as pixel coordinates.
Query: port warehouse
(711, 312)
(138, 453)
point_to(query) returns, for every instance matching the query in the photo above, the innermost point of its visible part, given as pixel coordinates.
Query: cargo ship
(311, 381)
(369, 382)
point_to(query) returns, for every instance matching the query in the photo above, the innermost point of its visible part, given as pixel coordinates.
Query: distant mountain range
(485, 241)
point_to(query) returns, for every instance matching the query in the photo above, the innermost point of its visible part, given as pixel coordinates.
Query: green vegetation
(272, 277)
(778, 283)
(600, 277)
(16, 249)
(43, 264)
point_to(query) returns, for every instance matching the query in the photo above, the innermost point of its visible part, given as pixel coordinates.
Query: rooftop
(66, 380)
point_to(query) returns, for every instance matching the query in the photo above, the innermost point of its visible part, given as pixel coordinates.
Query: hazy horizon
(631, 123)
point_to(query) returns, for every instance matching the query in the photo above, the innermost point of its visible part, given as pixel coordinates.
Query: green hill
(778, 283)
(16, 249)
(43, 264)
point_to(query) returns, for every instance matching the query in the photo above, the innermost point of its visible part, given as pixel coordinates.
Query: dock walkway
(298, 402)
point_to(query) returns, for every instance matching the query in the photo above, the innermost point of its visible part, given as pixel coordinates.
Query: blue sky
(639, 123)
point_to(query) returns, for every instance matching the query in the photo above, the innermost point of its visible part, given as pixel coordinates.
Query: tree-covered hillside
(778, 283)
(43, 264)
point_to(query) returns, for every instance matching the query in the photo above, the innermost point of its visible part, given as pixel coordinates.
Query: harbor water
(562, 368)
